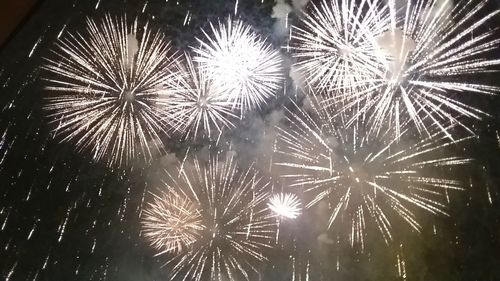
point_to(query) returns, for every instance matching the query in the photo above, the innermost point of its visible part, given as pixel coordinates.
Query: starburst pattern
(236, 225)
(240, 63)
(286, 205)
(335, 44)
(416, 64)
(171, 222)
(364, 178)
(198, 107)
(106, 90)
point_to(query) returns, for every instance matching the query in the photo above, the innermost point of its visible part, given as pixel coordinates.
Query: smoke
(299, 5)
(280, 14)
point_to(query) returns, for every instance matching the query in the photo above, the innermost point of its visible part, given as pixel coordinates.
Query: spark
(285, 205)
(233, 225)
(391, 68)
(106, 89)
(363, 178)
(240, 63)
(198, 108)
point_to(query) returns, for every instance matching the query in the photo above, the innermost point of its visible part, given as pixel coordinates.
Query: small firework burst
(240, 63)
(285, 205)
(393, 67)
(171, 222)
(198, 108)
(106, 89)
(235, 226)
(363, 178)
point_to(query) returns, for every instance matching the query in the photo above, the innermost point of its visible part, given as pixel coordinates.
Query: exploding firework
(334, 47)
(361, 178)
(285, 205)
(106, 89)
(198, 107)
(171, 222)
(240, 63)
(234, 223)
(393, 67)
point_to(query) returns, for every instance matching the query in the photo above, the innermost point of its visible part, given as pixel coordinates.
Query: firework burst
(106, 89)
(235, 224)
(362, 178)
(171, 222)
(240, 63)
(285, 205)
(414, 65)
(198, 107)
(334, 47)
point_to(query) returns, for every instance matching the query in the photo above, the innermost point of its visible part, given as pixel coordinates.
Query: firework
(285, 205)
(171, 222)
(362, 178)
(240, 63)
(106, 89)
(412, 65)
(199, 108)
(234, 222)
(334, 47)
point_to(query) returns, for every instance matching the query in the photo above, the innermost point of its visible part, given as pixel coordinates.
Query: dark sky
(64, 217)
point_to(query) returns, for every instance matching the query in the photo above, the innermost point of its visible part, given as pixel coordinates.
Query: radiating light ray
(286, 205)
(418, 64)
(198, 107)
(240, 63)
(105, 89)
(364, 179)
(235, 224)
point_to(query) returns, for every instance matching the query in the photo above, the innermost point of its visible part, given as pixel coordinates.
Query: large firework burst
(106, 89)
(234, 219)
(414, 65)
(363, 178)
(198, 107)
(240, 63)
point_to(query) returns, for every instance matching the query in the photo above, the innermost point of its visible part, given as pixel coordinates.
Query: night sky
(65, 217)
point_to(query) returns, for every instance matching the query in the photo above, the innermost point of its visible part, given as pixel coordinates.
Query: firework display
(251, 140)
(198, 107)
(231, 220)
(363, 178)
(391, 66)
(240, 63)
(107, 94)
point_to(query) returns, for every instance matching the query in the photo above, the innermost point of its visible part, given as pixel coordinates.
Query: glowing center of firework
(203, 103)
(128, 96)
(346, 51)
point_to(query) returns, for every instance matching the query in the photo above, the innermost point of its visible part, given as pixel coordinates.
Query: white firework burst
(362, 178)
(105, 89)
(419, 65)
(171, 222)
(240, 63)
(335, 44)
(286, 205)
(198, 107)
(235, 224)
